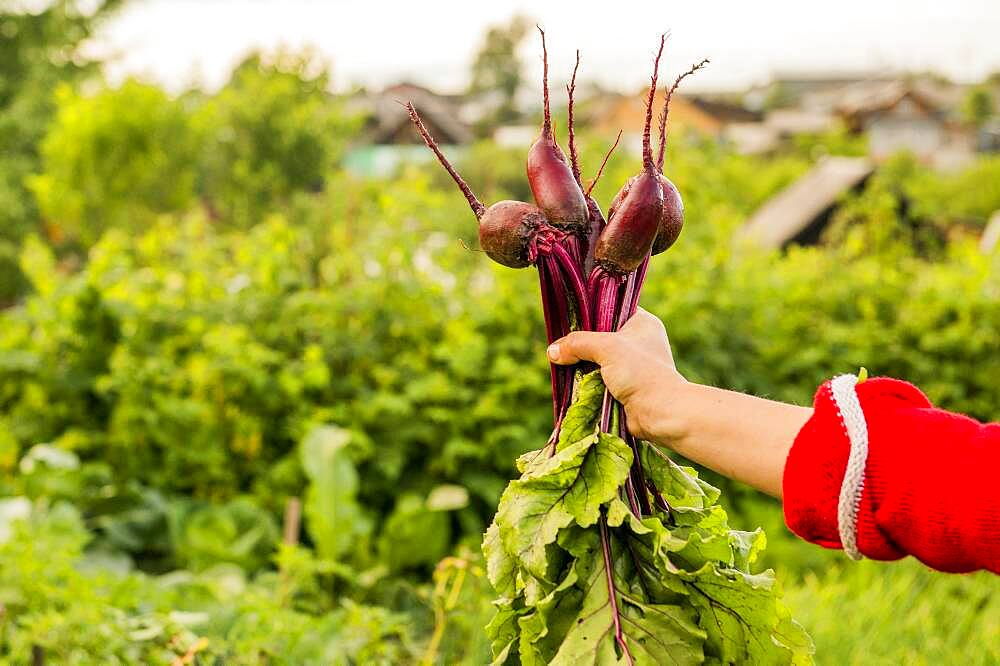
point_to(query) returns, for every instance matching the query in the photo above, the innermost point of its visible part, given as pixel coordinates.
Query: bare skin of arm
(740, 436)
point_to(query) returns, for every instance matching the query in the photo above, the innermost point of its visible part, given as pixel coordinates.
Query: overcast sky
(179, 42)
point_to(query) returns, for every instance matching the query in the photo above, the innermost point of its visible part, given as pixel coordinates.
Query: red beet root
(506, 228)
(630, 233)
(550, 175)
(634, 222)
(671, 217)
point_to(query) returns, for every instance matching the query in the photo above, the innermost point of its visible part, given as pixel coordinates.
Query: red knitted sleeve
(932, 480)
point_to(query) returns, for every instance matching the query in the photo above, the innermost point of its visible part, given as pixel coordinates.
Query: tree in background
(498, 70)
(978, 105)
(39, 48)
(273, 130)
(114, 159)
(118, 158)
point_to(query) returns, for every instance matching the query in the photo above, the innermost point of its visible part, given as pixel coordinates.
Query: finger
(582, 346)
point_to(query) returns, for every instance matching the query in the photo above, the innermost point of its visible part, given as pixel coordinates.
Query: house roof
(726, 112)
(868, 98)
(391, 124)
(812, 78)
(628, 112)
(795, 209)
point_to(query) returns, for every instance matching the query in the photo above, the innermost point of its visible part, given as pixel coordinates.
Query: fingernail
(553, 351)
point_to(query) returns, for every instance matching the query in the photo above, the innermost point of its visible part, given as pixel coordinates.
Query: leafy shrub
(80, 608)
(115, 159)
(40, 50)
(272, 131)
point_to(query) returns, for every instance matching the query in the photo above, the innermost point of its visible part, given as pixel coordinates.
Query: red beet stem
(666, 110)
(560, 310)
(574, 158)
(633, 499)
(624, 310)
(475, 204)
(547, 122)
(607, 303)
(571, 272)
(604, 162)
(613, 593)
(640, 278)
(550, 333)
(637, 475)
(647, 149)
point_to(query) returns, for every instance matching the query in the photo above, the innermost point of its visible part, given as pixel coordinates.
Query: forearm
(737, 435)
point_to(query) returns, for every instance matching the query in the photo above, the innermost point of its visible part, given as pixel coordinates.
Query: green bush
(272, 131)
(115, 159)
(236, 345)
(83, 607)
(39, 51)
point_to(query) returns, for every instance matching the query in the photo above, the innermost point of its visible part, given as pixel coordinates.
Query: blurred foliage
(979, 104)
(873, 613)
(82, 607)
(272, 131)
(113, 160)
(498, 71)
(247, 325)
(838, 140)
(39, 49)
(75, 164)
(969, 196)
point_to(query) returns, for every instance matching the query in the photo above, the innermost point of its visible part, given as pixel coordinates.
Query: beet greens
(606, 550)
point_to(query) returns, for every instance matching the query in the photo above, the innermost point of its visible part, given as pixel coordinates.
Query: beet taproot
(672, 219)
(628, 237)
(506, 230)
(550, 175)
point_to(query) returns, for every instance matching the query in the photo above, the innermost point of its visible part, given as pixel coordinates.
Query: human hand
(637, 367)
(740, 436)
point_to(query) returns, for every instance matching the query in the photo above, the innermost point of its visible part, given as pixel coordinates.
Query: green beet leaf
(582, 578)
(744, 619)
(557, 491)
(581, 418)
(653, 633)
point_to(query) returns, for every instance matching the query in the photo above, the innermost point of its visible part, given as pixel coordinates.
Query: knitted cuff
(849, 501)
(828, 498)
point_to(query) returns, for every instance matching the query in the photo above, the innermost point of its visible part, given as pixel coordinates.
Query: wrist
(678, 426)
(660, 413)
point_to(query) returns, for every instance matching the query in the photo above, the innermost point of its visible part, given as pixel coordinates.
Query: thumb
(581, 346)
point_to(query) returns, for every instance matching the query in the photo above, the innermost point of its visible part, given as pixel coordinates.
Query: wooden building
(799, 213)
(705, 116)
(389, 139)
(900, 116)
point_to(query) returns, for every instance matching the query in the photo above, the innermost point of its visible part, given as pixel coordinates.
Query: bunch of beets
(605, 549)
